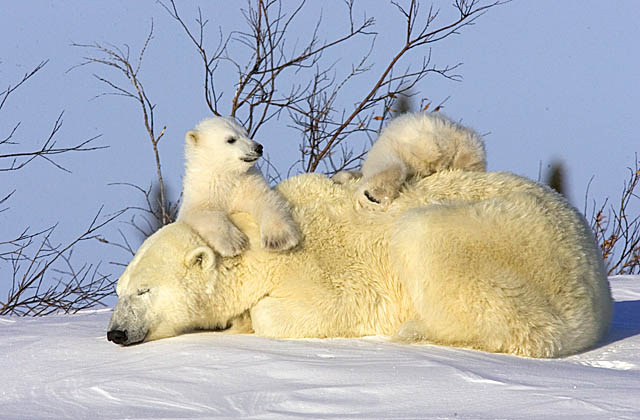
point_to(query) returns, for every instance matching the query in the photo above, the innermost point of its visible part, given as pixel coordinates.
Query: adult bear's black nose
(117, 336)
(258, 149)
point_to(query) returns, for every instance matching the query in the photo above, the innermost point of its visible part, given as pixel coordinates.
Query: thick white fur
(220, 179)
(490, 261)
(415, 145)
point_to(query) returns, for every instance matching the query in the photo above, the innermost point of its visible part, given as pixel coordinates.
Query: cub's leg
(278, 229)
(217, 230)
(378, 190)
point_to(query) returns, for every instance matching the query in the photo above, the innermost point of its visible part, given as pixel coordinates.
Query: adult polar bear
(490, 261)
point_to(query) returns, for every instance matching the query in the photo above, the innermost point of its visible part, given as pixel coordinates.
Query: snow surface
(63, 367)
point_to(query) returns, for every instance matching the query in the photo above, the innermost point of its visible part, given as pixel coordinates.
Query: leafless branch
(42, 277)
(5, 199)
(10, 89)
(44, 280)
(147, 218)
(616, 230)
(468, 11)
(210, 59)
(119, 59)
(14, 160)
(20, 159)
(279, 77)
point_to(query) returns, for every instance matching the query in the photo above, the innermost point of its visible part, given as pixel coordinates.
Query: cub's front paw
(279, 236)
(229, 243)
(375, 197)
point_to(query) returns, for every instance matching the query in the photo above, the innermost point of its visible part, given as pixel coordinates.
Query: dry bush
(617, 229)
(40, 274)
(158, 210)
(45, 280)
(284, 76)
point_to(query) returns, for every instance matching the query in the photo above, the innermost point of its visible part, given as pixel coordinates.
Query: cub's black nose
(117, 336)
(258, 148)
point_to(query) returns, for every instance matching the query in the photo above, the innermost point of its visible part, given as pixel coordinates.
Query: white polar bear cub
(220, 179)
(416, 145)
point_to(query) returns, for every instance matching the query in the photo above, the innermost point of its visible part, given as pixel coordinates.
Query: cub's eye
(142, 291)
(231, 140)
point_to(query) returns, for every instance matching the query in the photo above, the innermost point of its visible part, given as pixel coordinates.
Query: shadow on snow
(626, 321)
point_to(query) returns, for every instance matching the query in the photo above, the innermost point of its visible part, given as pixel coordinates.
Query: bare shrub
(282, 77)
(42, 277)
(617, 230)
(159, 210)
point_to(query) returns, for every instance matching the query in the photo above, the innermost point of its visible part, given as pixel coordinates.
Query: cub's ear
(191, 137)
(201, 256)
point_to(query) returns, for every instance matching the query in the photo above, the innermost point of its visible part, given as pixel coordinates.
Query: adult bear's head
(166, 289)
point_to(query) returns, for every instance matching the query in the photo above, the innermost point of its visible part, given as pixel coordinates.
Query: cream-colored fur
(490, 261)
(220, 179)
(414, 145)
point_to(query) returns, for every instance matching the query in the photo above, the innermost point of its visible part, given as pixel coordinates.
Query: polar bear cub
(415, 145)
(221, 178)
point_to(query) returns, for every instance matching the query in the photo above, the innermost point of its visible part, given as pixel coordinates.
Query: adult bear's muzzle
(128, 322)
(117, 336)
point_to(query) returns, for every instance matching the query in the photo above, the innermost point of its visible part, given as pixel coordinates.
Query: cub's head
(166, 289)
(222, 143)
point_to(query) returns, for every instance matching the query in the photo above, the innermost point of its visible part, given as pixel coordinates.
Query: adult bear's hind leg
(470, 278)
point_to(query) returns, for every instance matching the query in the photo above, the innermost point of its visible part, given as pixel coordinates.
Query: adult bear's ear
(201, 256)
(191, 137)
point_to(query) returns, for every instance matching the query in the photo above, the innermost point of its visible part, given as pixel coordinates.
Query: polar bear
(489, 261)
(220, 179)
(414, 145)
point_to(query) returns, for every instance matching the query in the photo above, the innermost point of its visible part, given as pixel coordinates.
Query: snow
(63, 367)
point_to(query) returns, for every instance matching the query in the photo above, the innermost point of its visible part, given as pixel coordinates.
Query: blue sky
(544, 80)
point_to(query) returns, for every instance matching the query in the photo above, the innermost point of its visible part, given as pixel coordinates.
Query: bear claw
(280, 239)
(281, 243)
(371, 198)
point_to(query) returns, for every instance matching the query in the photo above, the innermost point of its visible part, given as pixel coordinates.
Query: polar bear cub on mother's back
(415, 145)
(220, 178)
